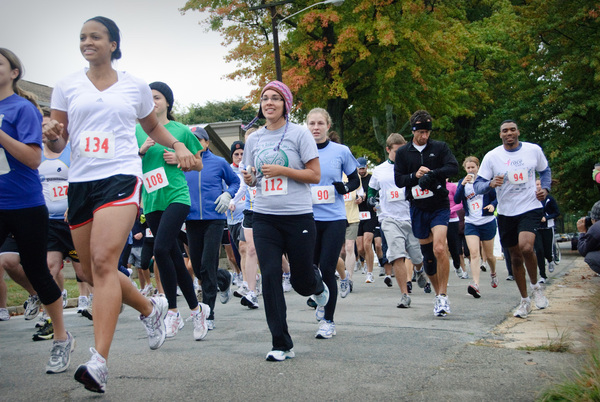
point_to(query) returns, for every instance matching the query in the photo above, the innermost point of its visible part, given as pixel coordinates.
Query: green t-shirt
(155, 197)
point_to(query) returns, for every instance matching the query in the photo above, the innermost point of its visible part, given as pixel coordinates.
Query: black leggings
(544, 239)
(165, 225)
(29, 227)
(147, 253)
(454, 243)
(294, 235)
(330, 238)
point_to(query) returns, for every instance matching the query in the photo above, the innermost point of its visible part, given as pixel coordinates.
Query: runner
(395, 221)
(368, 222)
(281, 160)
(480, 223)
(23, 210)
(422, 166)
(329, 210)
(166, 200)
(510, 169)
(97, 108)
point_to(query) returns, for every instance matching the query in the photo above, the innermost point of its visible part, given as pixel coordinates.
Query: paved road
(380, 353)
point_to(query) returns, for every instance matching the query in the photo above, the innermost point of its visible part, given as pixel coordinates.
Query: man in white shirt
(511, 168)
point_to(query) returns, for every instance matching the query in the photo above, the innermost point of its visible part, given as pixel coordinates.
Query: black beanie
(165, 90)
(235, 146)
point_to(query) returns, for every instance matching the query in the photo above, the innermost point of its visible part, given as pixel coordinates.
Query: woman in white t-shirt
(480, 223)
(281, 160)
(97, 109)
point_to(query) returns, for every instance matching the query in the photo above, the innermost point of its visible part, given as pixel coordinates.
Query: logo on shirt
(99, 100)
(269, 156)
(517, 163)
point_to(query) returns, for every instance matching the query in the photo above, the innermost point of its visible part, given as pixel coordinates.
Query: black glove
(372, 201)
(340, 187)
(428, 181)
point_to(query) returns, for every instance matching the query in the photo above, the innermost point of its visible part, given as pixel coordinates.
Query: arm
(589, 241)
(449, 164)
(55, 131)
(460, 192)
(482, 186)
(231, 179)
(402, 177)
(311, 173)
(351, 185)
(551, 208)
(28, 154)
(160, 134)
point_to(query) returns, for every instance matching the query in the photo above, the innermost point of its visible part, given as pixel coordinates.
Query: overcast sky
(157, 42)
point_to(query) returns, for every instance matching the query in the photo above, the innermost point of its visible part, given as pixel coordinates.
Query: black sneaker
(409, 286)
(483, 268)
(388, 281)
(427, 288)
(46, 332)
(311, 302)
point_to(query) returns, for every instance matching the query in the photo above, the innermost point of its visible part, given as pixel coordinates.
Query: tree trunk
(336, 108)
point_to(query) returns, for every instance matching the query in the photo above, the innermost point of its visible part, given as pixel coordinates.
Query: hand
(470, 178)
(497, 181)
(222, 202)
(53, 130)
(138, 236)
(421, 172)
(340, 187)
(273, 170)
(146, 145)
(231, 206)
(542, 194)
(169, 157)
(359, 199)
(489, 208)
(186, 159)
(249, 177)
(372, 201)
(543, 219)
(581, 225)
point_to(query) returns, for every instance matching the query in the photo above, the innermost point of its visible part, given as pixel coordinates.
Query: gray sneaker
(404, 301)
(155, 322)
(32, 307)
(421, 278)
(200, 325)
(250, 301)
(65, 298)
(322, 298)
(344, 287)
(523, 309)
(60, 355)
(94, 373)
(538, 297)
(4, 315)
(225, 295)
(551, 266)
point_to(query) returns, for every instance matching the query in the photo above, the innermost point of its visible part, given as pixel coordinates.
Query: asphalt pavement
(380, 352)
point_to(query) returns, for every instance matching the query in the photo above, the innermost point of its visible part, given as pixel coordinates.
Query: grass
(585, 383)
(559, 344)
(17, 295)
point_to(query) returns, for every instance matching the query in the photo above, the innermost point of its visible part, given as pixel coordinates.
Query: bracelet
(141, 154)
(173, 145)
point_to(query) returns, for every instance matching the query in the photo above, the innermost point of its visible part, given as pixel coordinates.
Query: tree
(217, 111)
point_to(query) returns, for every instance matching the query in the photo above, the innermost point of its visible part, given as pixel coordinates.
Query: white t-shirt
(475, 206)
(281, 195)
(392, 199)
(102, 124)
(517, 195)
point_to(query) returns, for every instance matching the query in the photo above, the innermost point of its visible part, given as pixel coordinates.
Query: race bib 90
(323, 194)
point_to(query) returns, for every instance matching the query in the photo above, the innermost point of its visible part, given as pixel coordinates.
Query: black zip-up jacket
(437, 157)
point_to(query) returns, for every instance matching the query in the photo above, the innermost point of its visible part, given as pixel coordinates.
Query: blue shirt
(334, 159)
(207, 185)
(20, 187)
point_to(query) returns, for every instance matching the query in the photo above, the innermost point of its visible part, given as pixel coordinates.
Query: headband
(422, 126)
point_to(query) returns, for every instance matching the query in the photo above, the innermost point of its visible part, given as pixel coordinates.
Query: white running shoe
(280, 355)
(65, 298)
(344, 287)
(442, 306)
(32, 307)
(322, 298)
(326, 330)
(82, 303)
(4, 314)
(523, 309)
(242, 290)
(551, 266)
(148, 290)
(155, 322)
(287, 285)
(60, 355)
(200, 327)
(369, 278)
(494, 281)
(250, 300)
(404, 301)
(93, 374)
(320, 313)
(173, 323)
(538, 297)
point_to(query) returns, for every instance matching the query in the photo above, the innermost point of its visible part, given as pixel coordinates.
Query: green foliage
(213, 112)
(470, 63)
